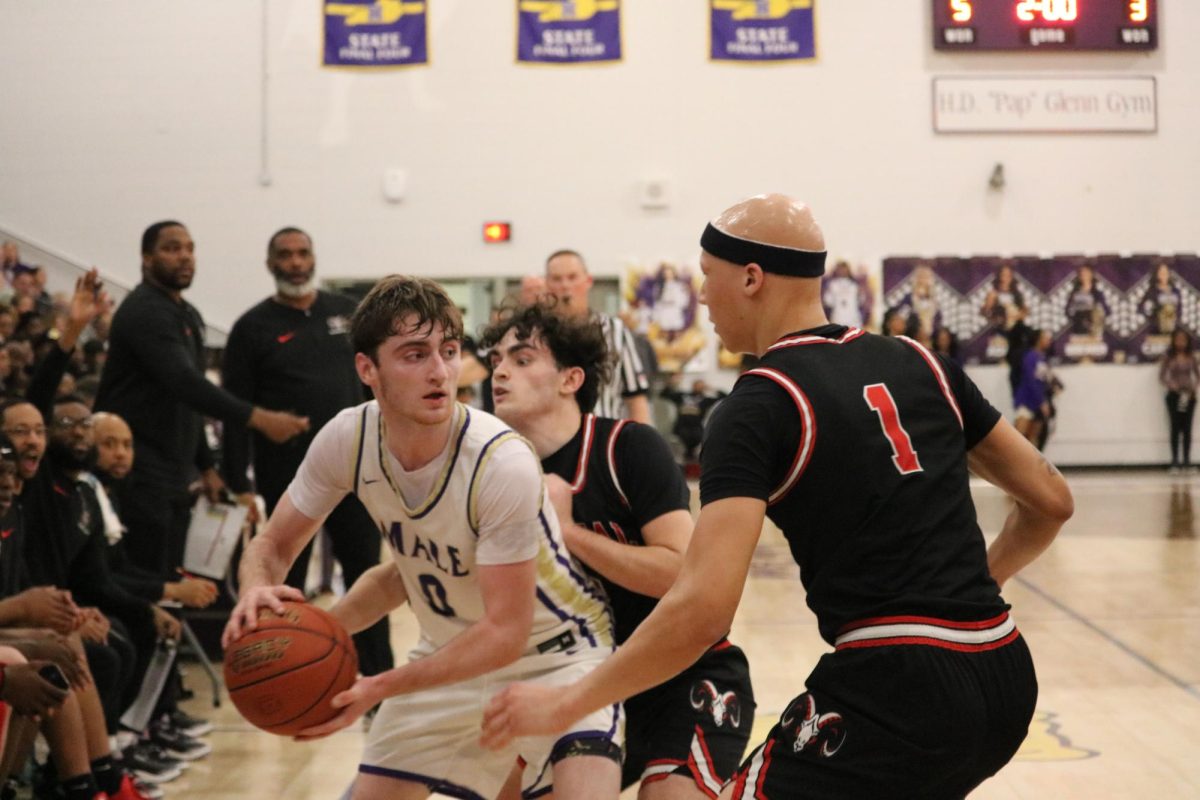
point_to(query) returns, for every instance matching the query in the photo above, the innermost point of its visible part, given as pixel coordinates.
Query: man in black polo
(154, 379)
(293, 350)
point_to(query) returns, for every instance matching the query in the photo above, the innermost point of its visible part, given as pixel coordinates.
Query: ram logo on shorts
(811, 729)
(723, 706)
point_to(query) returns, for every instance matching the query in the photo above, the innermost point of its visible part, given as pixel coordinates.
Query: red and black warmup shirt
(623, 476)
(859, 444)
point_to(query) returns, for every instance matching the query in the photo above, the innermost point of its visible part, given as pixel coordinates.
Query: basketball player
(625, 516)
(477, 553)
(858, 447)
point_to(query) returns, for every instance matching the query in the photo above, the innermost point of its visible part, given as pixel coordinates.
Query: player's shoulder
(480, 425)
(628, 433)
(354, 417)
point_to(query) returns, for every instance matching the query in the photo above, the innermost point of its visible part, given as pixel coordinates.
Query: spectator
(895, 322)
(172, 728)
(568, 280)
(154, 379)
(52, 514)
(945, 344)
(8, 323)
(10, 261)
(293, 350)
(1031, 400)
(1180, 376)
(691, 410)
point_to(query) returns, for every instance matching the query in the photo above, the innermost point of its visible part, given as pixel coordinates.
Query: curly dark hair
(573, 343)
(391, 301)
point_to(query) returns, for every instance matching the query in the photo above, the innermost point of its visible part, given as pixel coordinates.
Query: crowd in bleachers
(87, 636)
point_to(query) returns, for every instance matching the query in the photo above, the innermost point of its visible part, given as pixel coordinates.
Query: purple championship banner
(568, 31)
(1104, 308)
(762, 30)
(376, 33)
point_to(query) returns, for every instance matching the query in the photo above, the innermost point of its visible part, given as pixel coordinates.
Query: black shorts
(897, 721)
(697, 724)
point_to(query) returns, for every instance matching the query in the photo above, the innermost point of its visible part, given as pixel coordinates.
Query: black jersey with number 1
(859, 443)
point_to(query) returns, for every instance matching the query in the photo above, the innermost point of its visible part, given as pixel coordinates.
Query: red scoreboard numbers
(1045, 24)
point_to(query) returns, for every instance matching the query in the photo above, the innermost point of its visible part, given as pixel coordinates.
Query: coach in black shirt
(154, 379)
(293, 351)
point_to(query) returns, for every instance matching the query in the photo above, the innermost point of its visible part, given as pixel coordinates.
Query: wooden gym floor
(1111, 612)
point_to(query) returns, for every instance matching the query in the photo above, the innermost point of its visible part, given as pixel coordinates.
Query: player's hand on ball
(354, 702)
(524, 709)
(245, 614)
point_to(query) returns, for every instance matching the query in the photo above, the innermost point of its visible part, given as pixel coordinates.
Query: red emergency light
(495, 232)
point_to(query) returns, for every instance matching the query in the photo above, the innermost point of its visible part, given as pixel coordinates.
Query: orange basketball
(282, 675)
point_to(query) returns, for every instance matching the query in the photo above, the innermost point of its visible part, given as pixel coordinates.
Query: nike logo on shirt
(7, 532)
(284, 338)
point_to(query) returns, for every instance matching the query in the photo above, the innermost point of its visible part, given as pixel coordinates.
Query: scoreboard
(1037, 25)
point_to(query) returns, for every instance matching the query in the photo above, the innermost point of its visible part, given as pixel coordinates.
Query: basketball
(282, 675)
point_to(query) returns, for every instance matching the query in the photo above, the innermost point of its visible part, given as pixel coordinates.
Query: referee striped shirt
(629, 378)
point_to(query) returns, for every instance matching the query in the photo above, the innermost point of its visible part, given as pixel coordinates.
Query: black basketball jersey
(622, 476)
(859, 443)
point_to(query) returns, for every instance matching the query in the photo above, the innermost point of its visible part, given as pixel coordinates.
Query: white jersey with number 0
(481, 502)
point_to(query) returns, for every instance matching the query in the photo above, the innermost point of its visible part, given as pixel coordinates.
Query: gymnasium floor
(1111, 612)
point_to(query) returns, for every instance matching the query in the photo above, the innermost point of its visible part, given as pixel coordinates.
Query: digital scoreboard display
(1045, 24)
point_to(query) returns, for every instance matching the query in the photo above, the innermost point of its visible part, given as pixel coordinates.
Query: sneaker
(130, 791)
(149, 789)
(141, 761)
(178, 745)
(184, 722)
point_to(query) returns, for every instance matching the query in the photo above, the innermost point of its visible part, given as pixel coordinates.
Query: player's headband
(771, 257)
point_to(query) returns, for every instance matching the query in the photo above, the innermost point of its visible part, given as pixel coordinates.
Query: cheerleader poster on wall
(664, 305)
(1105, 308)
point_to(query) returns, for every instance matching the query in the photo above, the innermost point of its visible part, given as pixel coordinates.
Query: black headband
(771, 257)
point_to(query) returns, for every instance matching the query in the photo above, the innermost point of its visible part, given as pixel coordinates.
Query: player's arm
(650, 569)
(265, 564)
(493, 641)
(377, 591)
(637, 408)
(696, 612)
(325, 477)
(657, 497)
(1043, 500)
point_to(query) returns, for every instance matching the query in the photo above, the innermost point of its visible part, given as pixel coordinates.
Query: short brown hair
(391, 301)
(573, 343)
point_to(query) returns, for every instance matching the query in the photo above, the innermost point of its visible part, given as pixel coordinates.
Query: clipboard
(215, 531)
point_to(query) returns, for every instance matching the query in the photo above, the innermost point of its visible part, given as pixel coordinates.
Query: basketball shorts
(897, 721)
(695, 725)
(432, 737)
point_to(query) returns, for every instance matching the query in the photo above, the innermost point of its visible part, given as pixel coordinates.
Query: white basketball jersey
(434, 543)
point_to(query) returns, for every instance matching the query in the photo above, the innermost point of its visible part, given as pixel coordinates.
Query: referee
(627, 394)
(293, 350)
